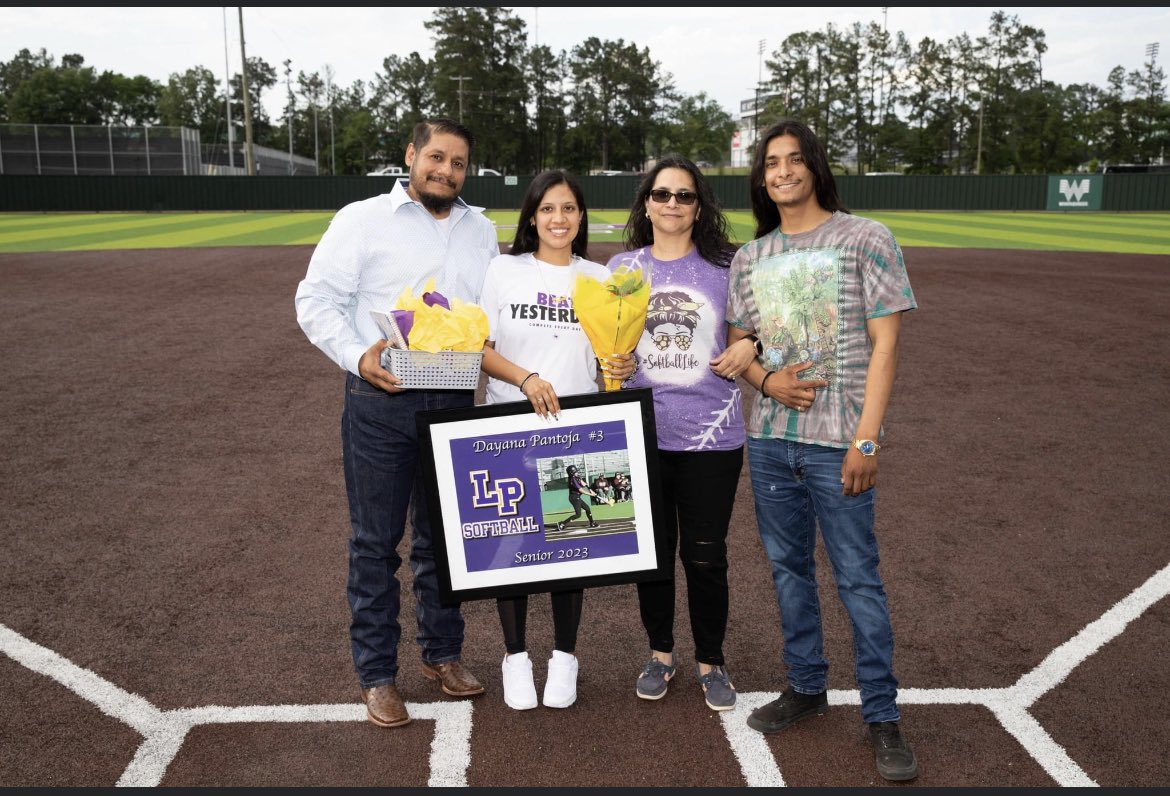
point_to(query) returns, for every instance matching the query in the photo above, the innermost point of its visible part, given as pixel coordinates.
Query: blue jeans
(797, 486)
(383, 477)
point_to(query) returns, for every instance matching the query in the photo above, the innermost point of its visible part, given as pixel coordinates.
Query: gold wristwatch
(867, 447)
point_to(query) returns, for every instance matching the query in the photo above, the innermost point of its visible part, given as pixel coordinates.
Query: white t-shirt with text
(532, 324)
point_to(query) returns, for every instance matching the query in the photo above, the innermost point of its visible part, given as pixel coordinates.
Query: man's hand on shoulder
(370, 368)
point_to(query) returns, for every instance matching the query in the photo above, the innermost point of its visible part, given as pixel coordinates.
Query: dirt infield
(172, 606)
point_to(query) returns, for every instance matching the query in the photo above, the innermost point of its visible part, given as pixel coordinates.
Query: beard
(435, 203)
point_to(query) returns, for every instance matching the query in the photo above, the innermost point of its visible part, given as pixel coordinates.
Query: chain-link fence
(98, 149)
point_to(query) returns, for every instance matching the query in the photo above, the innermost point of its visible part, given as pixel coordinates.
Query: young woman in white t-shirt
(536, 350)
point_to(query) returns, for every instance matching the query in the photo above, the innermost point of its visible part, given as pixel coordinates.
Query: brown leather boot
(384, 706)
(454, 679)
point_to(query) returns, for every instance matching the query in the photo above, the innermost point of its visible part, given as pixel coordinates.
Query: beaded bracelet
(526, 378)
(633, 372)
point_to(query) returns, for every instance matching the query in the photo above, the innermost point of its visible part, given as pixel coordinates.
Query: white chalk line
(165, 731)
(1009, 705)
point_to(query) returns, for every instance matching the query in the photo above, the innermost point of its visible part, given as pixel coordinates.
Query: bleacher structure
(112, 150)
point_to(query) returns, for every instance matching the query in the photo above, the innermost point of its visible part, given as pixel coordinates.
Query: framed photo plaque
(522, 505)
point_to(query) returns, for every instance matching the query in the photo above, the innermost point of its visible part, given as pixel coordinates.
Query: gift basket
(435, 343)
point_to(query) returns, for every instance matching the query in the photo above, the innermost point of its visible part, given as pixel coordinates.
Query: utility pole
(291, 108)
(249, 159)
(461, 79)
(227, 92)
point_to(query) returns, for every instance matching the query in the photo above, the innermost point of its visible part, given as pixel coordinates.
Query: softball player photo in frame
(516, 496)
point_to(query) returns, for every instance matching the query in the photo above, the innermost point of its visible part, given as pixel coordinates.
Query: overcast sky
(709, 49)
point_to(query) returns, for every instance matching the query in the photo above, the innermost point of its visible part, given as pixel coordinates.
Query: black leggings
(579, 505)
(698, 493)
(566, 608)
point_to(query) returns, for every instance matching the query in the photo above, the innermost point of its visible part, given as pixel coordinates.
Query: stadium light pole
(329, 98)
(759, 84)
(1152, 54)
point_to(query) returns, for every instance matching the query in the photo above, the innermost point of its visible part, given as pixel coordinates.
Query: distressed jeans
(383, 478)
(698, 493)
(798, 486)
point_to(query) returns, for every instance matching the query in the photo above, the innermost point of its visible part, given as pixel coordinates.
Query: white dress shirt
(375, 249)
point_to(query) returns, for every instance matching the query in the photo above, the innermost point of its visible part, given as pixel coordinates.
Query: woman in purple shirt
(678, 234)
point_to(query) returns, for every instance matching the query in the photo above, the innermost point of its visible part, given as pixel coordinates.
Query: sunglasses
(662, 196)
(682, 340)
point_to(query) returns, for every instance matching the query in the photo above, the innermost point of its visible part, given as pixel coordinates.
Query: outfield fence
(54, 193)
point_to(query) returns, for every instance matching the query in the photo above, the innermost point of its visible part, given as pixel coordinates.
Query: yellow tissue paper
(463, 327)
(613, 312)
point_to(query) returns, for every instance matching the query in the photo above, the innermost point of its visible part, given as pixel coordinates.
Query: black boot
(894, 758)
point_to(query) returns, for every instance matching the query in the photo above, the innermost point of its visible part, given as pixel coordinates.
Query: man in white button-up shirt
(372, 251)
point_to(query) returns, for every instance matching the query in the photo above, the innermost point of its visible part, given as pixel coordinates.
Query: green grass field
(1132, 233)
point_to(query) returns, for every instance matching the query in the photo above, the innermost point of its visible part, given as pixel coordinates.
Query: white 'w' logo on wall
(1073, 191)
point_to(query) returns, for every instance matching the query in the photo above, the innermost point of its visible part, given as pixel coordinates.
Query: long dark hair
(815, 159)
(526, 239)
(710, 233)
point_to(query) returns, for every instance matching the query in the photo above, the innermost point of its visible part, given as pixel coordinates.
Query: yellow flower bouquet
(613, 312)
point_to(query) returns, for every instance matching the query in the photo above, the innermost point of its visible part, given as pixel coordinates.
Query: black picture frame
(495, 477)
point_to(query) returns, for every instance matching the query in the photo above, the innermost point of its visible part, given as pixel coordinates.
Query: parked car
(489, 173)
(389, 171)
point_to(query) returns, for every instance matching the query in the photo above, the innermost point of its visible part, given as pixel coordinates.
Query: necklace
(552, 297)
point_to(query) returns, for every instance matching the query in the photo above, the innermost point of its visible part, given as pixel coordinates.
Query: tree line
(961, 106)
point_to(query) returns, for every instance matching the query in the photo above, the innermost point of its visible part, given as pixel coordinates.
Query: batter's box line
(1009, 705)
(164, 731)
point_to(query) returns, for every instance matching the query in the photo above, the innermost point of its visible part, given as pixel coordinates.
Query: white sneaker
(560, 690)
(519, 689)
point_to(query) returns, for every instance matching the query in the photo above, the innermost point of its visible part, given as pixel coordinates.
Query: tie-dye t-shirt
(807, 296)
(694, 409)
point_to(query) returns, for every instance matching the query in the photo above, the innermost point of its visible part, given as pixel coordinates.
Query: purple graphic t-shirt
(694, 409)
